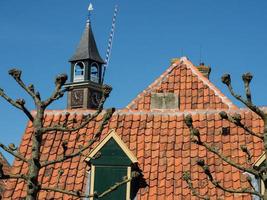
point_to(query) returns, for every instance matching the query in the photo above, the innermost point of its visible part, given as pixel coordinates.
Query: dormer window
(78, 72)
(112, 162)
(94, 75)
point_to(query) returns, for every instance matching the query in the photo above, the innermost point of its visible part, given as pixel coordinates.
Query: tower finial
(90, 9)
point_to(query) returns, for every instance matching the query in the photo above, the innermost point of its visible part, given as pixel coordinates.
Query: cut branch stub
(109, 113)
(207, 171)
(31, 88)
(74, 120)
(200, 162)
(15, 73)
(244, 148)
(60, 94)
(237, 118)
(106, 90)
(246, 151)
(195, 132)
(61, 79)
(21, 102)
(12, 147)
(186, 176)
(65, 147)
(247, 77)
(188, 120)
(67, 114)
(38, 95)
(223, 115)
(226, 79)
(60, 172)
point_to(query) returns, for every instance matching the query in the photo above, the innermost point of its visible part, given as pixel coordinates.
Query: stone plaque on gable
(164, 101)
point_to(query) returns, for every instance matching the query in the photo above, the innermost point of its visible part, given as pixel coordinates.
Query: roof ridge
(188, 64)
(206, 81)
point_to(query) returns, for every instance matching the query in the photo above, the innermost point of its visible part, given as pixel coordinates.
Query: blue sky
(40, 36)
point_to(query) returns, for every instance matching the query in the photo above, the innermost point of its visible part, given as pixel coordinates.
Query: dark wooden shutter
(106, 176)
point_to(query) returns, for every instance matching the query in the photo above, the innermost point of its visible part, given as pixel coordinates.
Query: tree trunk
(34, 165)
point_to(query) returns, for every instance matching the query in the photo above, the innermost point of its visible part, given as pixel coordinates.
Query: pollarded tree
(249, 168)
(34, 162)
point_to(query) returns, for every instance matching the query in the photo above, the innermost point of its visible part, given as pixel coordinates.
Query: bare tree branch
(16, 74)
(244, 148)
(105, 120)
(217, 184)
(226, 79)
(186, 177)
(78, 194)
(11, 176)
(34, 163)
(114, 187)
(105, 93)
(63, 128)
(236, 119)
(20, 104)
(195, 134)
(247, 77)
(96, 195)
(13, 152)
(58, 93)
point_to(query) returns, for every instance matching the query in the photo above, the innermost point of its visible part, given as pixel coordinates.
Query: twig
(58, 93)
(186, 177)
(195, 133)
(226, 79)
(16, 74)
(236, 119)
(106, 118)
(20, 104)
(98, 196)
(11, 176)
(217, 184)
(105, 93)
(12, 152)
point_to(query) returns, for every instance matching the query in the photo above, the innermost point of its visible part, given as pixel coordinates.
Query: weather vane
(90, 9)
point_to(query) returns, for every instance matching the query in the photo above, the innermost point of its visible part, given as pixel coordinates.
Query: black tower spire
(86, 72)
(87, 48)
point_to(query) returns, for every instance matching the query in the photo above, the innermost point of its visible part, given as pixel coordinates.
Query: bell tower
(86, 72)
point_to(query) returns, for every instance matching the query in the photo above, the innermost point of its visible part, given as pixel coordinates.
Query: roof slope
(6, 169)
(161, 143)
(194, 90)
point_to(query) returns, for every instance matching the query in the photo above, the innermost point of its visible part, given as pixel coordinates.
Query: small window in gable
(112, 162)
(78, 72)
(164, 101)
(94, 75)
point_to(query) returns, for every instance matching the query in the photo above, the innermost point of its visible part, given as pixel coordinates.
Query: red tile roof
(158, 138)
(161, 143)
(195, 91)
(6, 169)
